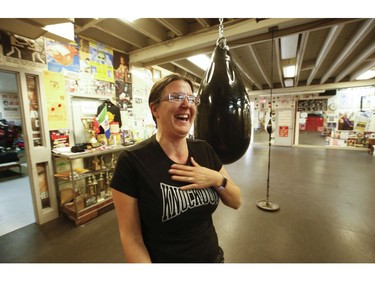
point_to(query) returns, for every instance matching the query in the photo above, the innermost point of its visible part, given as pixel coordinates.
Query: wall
(87, 73)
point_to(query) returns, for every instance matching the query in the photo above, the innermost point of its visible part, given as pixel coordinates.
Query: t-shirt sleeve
(124, 177)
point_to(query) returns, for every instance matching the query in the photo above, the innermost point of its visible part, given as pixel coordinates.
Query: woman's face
(175, 118)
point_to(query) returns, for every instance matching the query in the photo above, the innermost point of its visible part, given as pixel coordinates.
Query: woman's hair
(157, 89)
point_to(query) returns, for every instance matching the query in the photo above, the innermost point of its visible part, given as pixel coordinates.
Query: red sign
(283, 131)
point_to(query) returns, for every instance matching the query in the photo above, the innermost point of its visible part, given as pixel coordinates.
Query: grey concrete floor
(326, 215)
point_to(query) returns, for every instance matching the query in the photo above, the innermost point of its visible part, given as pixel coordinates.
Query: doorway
(16, 203)
(312, 129)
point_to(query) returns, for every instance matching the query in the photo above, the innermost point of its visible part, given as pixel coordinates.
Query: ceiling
(331, 52)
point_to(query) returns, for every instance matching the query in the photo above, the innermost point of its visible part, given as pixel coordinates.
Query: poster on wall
(33, 96)
(283, 102)
(123, 86)
(43, 185)
(54, 84)
(19, 50)
(101, 61)
(9, 107)
(59, 138)
(84, 56)
(62, 57)
(121, 67)
(124, 95)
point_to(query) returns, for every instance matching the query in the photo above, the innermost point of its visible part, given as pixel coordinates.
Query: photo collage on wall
(312, 105)
(123, 81)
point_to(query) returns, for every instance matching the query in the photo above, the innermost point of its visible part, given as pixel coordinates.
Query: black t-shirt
(176, 225)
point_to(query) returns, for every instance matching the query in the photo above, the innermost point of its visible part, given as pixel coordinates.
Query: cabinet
(83, 182)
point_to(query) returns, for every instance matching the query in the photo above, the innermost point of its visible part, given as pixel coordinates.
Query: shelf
(87, 213)
(90, 153)
(66, 176)
(87, 179)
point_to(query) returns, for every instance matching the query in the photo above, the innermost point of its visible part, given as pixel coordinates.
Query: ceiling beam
(91, 23)
(364, 67)
(177, 26)
(123, 32)
(295, 29)
(203, 22)
(148, 29)
(359, 61)
(189, 67)
(301, 54)
(199, 41)
(326, 48)
(349, 48)
(315, 88)
(260, 65)
(278, 62)
(20, 27)
(247, 76)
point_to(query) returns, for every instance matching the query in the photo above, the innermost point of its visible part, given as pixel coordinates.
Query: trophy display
(88, 123)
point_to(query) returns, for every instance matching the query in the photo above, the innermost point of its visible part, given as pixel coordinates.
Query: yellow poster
(54, 85)
(101, 62)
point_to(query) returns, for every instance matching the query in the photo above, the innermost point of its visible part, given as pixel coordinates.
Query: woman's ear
(154, 110)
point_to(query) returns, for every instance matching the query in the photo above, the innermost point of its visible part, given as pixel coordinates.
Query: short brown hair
(158, 87)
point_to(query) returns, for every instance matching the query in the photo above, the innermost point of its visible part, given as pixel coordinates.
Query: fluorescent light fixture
(289, 71)
(366, 75)
(289, 82)
(289, 46)
(60, 32)
(202, 61)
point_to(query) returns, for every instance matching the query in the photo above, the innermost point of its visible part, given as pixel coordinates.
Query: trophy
(88, 123)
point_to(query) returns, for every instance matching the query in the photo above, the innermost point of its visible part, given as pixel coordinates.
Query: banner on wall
(54, 85)
(19, 50)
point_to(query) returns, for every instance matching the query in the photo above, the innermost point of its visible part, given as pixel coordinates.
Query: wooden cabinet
(83, 182)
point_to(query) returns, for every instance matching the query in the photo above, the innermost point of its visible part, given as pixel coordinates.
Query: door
(284, 123)
(36, 137)
(16, 204)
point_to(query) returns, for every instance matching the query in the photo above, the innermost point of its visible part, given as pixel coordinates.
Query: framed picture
(156, 74)
(128, 78)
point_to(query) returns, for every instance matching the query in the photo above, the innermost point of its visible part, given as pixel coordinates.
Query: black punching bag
(223, 115)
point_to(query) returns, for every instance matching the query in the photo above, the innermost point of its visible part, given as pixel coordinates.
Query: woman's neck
(175, 149)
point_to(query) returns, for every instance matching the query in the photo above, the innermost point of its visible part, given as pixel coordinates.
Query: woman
(166, 188)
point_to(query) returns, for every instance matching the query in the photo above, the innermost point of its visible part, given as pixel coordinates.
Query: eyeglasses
(179, 97)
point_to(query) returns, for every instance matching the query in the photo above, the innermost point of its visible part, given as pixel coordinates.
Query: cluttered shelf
(83, 181)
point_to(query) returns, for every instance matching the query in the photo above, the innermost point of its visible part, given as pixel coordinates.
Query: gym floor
(326, 215)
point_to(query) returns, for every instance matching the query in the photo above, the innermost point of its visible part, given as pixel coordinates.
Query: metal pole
(266, 204)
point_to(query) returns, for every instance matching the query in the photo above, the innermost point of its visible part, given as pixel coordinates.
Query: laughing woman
(166, 188)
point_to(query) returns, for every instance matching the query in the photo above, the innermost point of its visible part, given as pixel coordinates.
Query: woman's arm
(202, 177)
(130, 228)
(231, 194)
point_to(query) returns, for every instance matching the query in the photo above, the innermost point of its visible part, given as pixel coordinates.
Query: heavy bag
(223, 115)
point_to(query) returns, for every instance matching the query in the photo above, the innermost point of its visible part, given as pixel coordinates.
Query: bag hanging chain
(221, 41)
(221, 28)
